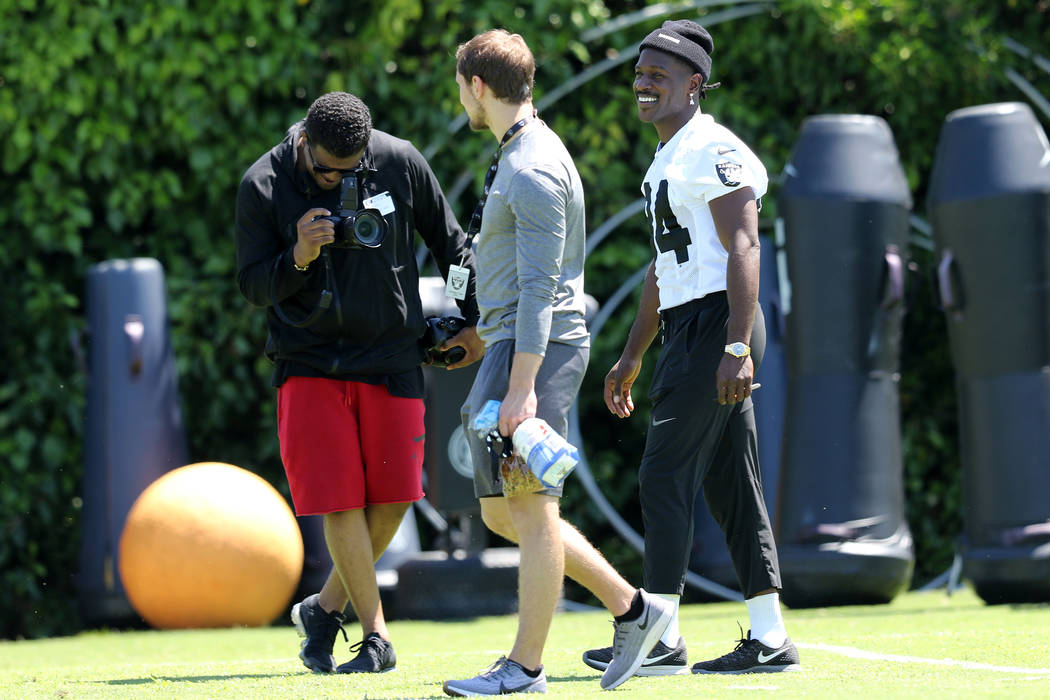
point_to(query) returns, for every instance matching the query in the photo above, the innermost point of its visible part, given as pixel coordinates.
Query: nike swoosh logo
(505, 689)
(644, 623)
(661, 422)
(762, 658)
(722, 151)
(657, 659)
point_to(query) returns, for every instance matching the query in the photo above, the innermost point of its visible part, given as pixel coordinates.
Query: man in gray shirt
(529, 240)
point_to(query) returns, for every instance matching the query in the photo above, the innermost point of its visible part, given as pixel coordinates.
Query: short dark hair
(501, 59)
(340, 123)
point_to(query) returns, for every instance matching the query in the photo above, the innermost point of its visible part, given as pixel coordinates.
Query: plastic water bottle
(548, 455)
(486, 421)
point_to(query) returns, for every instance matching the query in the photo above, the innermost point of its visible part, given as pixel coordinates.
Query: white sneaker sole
(300, 628)
(753, 669)
(297, 620)
(647, 671)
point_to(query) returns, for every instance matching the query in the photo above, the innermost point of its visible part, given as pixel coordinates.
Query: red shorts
(346, 445)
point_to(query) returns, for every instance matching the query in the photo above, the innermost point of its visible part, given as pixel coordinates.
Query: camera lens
(369, 228)
(455, 354)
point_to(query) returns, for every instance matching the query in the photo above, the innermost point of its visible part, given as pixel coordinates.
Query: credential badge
(456, 285)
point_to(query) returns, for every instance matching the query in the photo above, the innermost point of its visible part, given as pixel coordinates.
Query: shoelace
(498, 669)
(334, 622)
(619, 636)
(371, 644)
(741, 643)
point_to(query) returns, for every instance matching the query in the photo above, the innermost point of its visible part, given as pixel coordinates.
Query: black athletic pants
(695, 443)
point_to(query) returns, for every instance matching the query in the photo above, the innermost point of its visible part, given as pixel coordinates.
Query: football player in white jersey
(702, 196)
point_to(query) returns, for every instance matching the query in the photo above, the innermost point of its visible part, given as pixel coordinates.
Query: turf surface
(922, 645)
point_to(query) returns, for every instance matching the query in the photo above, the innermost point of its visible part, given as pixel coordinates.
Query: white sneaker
(501, 678)
(661, 661)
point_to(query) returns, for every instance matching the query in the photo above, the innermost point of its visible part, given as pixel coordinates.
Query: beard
(477, 119)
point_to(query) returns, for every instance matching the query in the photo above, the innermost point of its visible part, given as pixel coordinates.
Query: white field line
(898, 658)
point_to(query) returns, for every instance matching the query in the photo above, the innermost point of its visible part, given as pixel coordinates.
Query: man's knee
(343, 517)
(496, 517)
(534, 512)
(385, 517)
(391, 509)
(345, 523)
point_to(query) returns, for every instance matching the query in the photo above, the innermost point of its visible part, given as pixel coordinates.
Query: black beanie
(684, 39)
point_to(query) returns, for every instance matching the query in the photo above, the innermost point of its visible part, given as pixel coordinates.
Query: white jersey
(701, 162)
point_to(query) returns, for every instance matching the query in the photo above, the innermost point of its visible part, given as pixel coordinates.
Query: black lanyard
(475, 219)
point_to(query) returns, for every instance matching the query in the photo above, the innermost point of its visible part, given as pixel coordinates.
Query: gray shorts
(557, 383)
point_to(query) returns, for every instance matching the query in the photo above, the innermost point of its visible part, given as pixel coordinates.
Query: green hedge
(127, 125)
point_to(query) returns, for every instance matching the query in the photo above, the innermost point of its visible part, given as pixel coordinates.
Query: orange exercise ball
(210, 545)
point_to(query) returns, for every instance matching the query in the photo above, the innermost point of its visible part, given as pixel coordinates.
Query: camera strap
(490, 176)
(355, 182)
(350, 193)
(323, 302)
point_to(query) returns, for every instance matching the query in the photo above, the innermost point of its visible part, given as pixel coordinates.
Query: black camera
(440, 329)
(354, 227)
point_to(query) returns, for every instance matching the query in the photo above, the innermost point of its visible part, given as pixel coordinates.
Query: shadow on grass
(232, 676)
(193, 679)
(586, 678)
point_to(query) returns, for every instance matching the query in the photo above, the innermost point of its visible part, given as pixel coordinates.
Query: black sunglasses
(323, 169)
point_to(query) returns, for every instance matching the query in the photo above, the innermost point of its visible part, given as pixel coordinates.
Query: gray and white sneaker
(632, 641)
(501, 678)
(319, 627)
(662, 660)
(752, 656)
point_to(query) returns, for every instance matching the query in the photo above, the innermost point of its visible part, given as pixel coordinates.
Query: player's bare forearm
(647, 322)
(520, 402)
(736, 219)
(742, 291)
(620, 379)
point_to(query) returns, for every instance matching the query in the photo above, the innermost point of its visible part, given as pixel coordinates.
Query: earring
(691, 99)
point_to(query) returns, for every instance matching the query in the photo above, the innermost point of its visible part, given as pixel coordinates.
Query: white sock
(767, 625)
(671, 634)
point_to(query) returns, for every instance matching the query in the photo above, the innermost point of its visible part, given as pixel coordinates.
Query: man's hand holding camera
(313, 233)
(468, 340)
(450, 343)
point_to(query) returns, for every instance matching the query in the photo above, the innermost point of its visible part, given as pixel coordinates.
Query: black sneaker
(662, 660)
(374, 655)
(319, 628)
(752, 656)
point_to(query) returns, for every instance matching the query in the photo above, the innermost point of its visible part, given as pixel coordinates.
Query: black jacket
(371, 330)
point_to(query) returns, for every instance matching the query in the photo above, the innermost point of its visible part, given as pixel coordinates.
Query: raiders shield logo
(728, 173)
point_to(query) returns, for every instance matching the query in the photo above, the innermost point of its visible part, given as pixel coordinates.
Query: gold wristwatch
(738, 349)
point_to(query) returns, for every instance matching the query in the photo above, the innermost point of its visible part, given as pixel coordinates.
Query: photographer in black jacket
(325, 224)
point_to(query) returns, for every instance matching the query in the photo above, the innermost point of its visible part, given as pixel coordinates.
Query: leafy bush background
(126, 128)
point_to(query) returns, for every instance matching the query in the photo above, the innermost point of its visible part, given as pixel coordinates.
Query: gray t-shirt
(530, 251)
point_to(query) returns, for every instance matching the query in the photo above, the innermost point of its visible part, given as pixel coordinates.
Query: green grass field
(921, 645)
